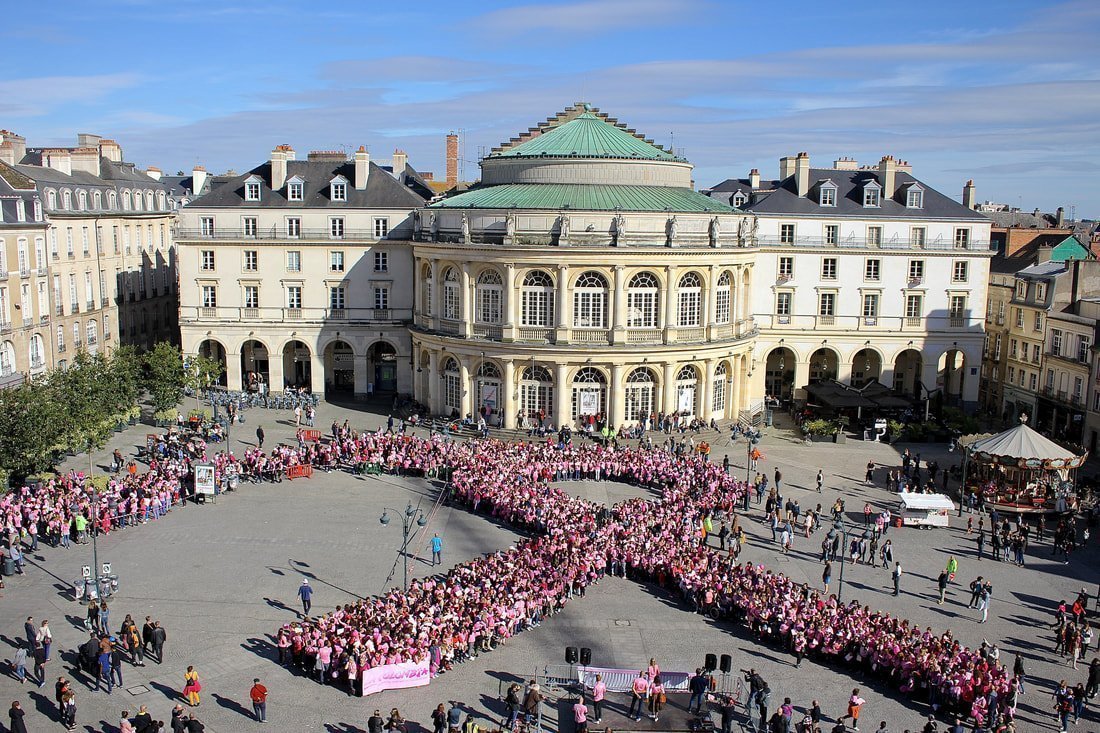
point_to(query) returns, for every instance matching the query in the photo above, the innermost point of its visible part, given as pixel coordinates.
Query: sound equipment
(711, 663)
(586, 656)
(726, 664)
(571, 654)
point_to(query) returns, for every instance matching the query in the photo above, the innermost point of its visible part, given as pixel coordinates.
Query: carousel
(1021, 471)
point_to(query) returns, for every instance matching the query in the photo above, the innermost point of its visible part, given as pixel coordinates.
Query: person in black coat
(15, 718)
(143, 721)
(159, 637)
(179, 720)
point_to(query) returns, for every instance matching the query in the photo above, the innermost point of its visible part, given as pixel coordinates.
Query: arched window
(488, 297)
(488, 389)
(536, 394)
(66, 199)
(127, 201)
(687, 380)
(722, 299)
(97, 200)
(7, 359)
(51, 199)
(689, 298)
(452, 385)
(452, 297)
(426, 290)
(93, 333)
(537, 304)
(112, 200)
(137, 201)
(37, 352)
(148, 200)
(590, 301)
(82, 200)
(640, 388)
(643, 299)
(589, 393)
(718, 404)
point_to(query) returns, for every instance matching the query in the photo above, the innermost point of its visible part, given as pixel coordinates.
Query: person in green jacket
(81, 528)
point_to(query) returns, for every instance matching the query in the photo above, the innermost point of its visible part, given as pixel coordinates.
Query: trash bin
(105, 587)
(8, 566)
(90, 591)
(78, 589)
(114, 583)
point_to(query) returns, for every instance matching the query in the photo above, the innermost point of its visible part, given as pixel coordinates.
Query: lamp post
(410, 516)
(838, 526)
(752, 440)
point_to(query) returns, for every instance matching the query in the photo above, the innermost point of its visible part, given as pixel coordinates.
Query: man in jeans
(258, 693)
(638, 690)
(599, 690)
(698, 687)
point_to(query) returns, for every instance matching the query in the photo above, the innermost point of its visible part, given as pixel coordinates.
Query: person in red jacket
(258, 693)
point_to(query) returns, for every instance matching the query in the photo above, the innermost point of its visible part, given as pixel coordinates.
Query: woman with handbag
(657, 698)
(192, 686)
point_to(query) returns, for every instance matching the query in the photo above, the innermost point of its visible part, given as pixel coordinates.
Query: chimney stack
(60, 159)
(400, 160)
(110, 150)
(786, 167)
(845, 164)
(85, 159)
(362, 168)
(87, 140)
(1060, 217)
(754, 179)
(970, 196)
(887, 177)
(802, 173)
(18, 145)
(154, 172)
(278, 167)
(452, 160)
(198, 179)
(7, 153)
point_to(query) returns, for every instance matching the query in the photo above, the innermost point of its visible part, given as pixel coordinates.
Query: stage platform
(674, 717)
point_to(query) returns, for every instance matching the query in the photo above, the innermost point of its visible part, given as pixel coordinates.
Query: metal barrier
(301, 470)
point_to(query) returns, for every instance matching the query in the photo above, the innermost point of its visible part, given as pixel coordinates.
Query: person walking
(698, 686)
(68, 709)
(639, 688)
(305, 592)
(159, 637)
(30, 631)
(15, 718)
(820, 480)
(260, 437)
(657, 698)
(437, 550)
(192, 687)
(827, 576)
(855, 706)
(44, 637)
(19, 664)
(941, 583)
(983, 602)
(258, 694)
(599, 691)
(897, 578)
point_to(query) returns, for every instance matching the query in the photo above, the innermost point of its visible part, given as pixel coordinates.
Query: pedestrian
(375, 723)
(194, 725)
(15, 718)
(30, 631)
(820, 480)
(147, 634)
(897, 578)
(192, 687)
(305, 592)
(19, 664)
(179, 720)
(941, 582)
(260, 437)
(437, 550)
(983, 603)
(470, 726)
(826, 576)
(258, 694)
(531, 702)
(159, 637)
(639, 688)
(855, 706)
(657, 698)
(143, 721)
(454, 718)
(869, 477)
(698, 686)
(68, 709)
(599, 690)
(124, 724)
(39, 665)
(778, 480)
(580, 715)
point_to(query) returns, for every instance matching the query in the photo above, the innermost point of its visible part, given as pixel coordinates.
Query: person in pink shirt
(599, 690)
(580, 716)
(639, 691)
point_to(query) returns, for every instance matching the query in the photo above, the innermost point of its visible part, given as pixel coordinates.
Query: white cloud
(583, 18)
(43, 95)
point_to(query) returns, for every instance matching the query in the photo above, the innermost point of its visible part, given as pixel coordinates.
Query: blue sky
(1005, 92)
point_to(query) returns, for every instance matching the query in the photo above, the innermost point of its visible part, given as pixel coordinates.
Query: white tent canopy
(915, 502)
(1020, 442)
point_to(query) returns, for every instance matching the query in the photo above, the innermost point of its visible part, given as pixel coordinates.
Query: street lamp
(752, 440)
(838, 526)
(408, 517)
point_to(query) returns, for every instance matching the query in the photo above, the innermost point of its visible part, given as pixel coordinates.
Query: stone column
(616, 396)
(433, 381)
(361, 373)
(618, 305)
(436, 296)
(563, 305)
(508, 303)
(668, 389)
(509, 400)
(316, 372)
(562, 395)
(274, 371)
(670, 303)
(418, 285)
(707, 409)
(467, 398)
(737, 378)
(801, 378)
(467, 327)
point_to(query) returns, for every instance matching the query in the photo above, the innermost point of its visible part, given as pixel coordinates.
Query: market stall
(1021, 471)
(925, 510)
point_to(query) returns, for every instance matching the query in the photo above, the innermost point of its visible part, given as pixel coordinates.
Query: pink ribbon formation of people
(447, 620)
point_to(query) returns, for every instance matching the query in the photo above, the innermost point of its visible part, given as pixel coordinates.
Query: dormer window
(914, 197)
(295, 189)
(739, 199)
(827, 194)
(252, 189)
(338, 189)
(872, 194)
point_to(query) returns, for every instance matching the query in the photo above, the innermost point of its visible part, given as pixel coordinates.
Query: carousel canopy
(1022, 444)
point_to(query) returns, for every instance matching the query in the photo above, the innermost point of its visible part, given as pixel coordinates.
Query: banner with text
(396, 676)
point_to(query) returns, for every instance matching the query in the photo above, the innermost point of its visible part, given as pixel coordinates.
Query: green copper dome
(586, 136)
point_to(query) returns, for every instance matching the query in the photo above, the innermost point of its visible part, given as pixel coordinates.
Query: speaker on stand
(725, 664)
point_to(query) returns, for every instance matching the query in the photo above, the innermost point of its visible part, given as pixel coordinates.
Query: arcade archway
(339, 368)
(297, 365)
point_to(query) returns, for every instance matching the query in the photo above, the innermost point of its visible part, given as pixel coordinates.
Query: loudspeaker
(586, 656)
(725, 664)
(711, 663)
(571, 654)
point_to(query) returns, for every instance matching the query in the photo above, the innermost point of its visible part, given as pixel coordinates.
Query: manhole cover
(622, 622)
(137, 690)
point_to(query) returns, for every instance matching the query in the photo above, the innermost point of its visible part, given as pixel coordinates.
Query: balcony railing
(643, 336)
(591, 336)
(192, 314)
(534, 333)
(485, 331)
(865, 243)
(5, 326)
(450, 325)
(858, 322)
(691, 334)
(91, 305)
(273, 233)
(958, 321)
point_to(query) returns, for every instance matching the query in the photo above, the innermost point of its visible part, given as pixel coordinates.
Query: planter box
(821, 438)
(840, 438)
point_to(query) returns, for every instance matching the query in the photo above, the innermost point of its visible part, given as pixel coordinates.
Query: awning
(1023, 447)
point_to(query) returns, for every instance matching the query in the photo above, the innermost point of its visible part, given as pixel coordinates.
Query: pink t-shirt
(598, 691)
(580, 713)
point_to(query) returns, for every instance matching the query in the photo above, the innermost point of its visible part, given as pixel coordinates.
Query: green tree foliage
(164, 376)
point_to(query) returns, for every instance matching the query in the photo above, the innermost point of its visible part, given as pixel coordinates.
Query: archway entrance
(951, 375)
(255, 366)
(779, 374)
(641, 388)
(687, 383)
(488, 391)
(382, 366)
(824, 365)
(209, 349)
(297, 365)
(907, 373)
(866, 367)
(339, 367)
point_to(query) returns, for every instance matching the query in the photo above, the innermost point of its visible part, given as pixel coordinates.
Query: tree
(164, 376)
(202, 372)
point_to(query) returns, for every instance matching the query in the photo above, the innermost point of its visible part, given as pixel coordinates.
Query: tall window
(1056, 342)
(642, 301)
(488, 297)
(251, 191)
(381, 298)
(832, 233)
(957, 306)
(336, 297)
(916, 270)
(250, 227)
(722, 299)
(688, 299)
(870, 305)
(209, 296)
(918, 236)
(962, 238)
(914, 306)
(718, 403)
(640, 388)
(589, 393)
(488, 386)
(251, 260)
(452, 303)
(294, 260)
(786, 267)
(872, 270)
(960, 271)
(294, 227)
(426, 306)
(826, 304)
(381, 227)
(336, 227)
(7, 357)
(294, 296)
(536, 392)
(206, 257)
(452, 385)
(687, 380)
(537, 303)
(295, 191)
(381, 261)
(828, 268)
(590, 301)
(786, 233)
(37, 351)
(336, 261)
(206, 226)
(251, 296)
(874, 236)
(783, 304)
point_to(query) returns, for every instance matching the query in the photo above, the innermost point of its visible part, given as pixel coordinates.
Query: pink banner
(396, 676)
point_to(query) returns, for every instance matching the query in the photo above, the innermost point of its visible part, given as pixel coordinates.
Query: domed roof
(585, 136)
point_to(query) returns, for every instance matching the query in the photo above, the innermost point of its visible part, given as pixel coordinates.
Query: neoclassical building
(583, 276)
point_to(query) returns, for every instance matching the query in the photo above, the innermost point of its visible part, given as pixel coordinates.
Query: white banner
(489, 393)
(686, 400)
(588, 402)
(204, 478)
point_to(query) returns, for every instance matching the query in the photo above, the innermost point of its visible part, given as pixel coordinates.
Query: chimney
(18, 144)
(400, 160)
(85, 159)
(278, 167)
(110, 150)
(970, 196)
(904, 166)
(198, 179)
(754, 179)
(87, 140)
(59, 159)
(154, 172)
(7, 153)
(887, 177)
(1060, 217)
(802, 174)
(845, 164)
(362, 168)
(786, 167)
(452, 160)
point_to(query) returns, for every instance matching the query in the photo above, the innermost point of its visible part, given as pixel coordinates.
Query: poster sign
(396, 676)
(489, 391)
(686, 401)
(204, 479)
(588, 402)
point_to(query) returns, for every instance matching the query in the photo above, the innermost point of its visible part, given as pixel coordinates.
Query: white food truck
(925, 510)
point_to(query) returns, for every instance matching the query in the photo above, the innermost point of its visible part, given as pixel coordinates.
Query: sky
(1006, 92)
